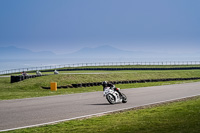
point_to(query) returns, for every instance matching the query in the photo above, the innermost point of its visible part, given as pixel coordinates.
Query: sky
(65, 26)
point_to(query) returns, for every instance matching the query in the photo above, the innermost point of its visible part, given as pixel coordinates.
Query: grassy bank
(183, 117)
(32, 87)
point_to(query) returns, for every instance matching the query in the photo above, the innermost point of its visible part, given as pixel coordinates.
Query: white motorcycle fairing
(108, 92)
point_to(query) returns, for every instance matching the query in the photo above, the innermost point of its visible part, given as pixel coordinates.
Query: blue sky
(64, 26)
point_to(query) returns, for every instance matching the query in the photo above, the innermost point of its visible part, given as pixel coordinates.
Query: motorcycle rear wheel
(111, 98)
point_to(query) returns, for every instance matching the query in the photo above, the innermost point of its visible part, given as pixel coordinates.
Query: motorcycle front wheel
(124, 98)
(110, 98)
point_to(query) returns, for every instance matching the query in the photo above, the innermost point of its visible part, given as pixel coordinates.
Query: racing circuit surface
(29, 112)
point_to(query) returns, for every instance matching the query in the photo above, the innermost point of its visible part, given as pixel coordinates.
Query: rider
(106, 84)
(24, 73)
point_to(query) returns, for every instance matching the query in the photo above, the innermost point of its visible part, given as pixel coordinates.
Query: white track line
(98, 114)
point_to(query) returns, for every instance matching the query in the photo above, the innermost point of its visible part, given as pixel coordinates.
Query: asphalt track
(30, 112)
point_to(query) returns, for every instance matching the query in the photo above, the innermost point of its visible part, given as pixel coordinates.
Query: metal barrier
(99, 64)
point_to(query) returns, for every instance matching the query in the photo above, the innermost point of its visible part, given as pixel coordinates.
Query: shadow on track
(100, 104)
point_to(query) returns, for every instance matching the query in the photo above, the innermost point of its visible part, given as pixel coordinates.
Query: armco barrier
(123, 82)
(94, 64)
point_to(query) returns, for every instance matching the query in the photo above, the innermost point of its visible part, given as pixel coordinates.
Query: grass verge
(182, 116)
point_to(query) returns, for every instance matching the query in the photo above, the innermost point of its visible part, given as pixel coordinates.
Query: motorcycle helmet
(104, 83)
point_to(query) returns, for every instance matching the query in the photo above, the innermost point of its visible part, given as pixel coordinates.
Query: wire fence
(99, 64)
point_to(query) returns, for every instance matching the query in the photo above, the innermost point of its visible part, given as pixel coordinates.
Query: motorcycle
(113, 96)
